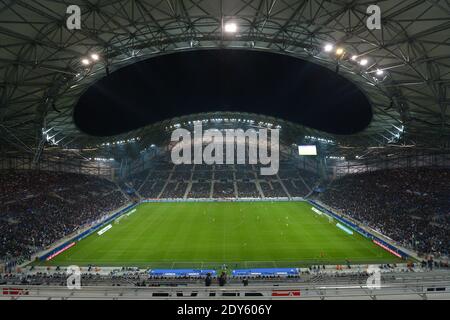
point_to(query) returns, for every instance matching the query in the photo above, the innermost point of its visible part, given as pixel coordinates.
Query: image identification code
(225, 310)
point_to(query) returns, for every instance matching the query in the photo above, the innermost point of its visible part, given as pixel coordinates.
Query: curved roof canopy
(45, 68)
(195, 82)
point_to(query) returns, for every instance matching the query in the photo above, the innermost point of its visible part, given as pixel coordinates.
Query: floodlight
(231, 27)
(328, 47)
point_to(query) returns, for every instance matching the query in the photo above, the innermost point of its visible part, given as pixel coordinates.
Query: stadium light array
(94, 57)
(231, 27)
(328, 47)
(102, 159)
(340, 52)
(121, 142)
(335, 158)
(322, 140)
(50, 136)
(364, 62)
(401, 129)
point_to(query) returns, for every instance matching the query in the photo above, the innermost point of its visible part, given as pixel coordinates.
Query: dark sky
(222, 80)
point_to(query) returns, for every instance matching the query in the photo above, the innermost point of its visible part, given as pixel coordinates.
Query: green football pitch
(210, 234)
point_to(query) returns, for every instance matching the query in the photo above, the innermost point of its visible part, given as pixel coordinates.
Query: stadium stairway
(258, 187)
(306, 185)
(283, 186)
(211, 192)
(166, 183)
(143, 183)
(188, 189)
(123, 192)
(55, 195)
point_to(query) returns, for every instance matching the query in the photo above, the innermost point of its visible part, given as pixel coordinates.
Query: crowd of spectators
(136, 180)
(309, 178)
(272, 189)
(152, 188)
(296, 187)
(175, 190)
(411, 205)
(248, 190)
(224, 190)
(200, 190)
(181, 176)
(38, 208)
(245, 175)
(202, 175)
(224, 175)
(168, 182)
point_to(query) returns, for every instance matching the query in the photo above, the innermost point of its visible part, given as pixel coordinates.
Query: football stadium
(239, 149)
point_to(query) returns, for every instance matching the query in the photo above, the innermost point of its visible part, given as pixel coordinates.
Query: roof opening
(192, 82)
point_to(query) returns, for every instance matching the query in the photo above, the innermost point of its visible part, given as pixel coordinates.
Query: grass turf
(209, 234)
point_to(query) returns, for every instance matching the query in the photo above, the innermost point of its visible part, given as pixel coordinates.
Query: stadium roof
(223, 80)
(43, 73)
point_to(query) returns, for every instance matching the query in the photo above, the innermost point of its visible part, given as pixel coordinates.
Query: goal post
(330, 219)
(117, 221)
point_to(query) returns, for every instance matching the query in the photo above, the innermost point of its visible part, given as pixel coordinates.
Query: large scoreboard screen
(307, 150)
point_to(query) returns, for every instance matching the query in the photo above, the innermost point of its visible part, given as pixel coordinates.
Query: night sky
(184, 83)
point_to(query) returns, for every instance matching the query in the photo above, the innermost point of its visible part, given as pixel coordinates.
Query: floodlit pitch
(210, 234)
